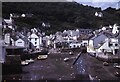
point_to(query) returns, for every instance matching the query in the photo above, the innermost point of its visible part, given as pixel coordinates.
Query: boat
(108, 57)
(36, 53)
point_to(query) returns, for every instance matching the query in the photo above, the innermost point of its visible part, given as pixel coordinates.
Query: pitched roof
(111, 35)
(14, 38)
(33, 35)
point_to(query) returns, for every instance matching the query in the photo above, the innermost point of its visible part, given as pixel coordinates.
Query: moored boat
(36, 53)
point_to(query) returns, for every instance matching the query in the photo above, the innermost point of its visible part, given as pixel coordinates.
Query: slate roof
(14, 38)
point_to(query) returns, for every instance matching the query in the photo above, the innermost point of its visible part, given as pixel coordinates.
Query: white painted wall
(13, 42)
(84, 42)
(108, 48)
(105, 46)
(7, 38)
(115, 29)
(20, 43)
(35, 40)
(74, 45)
(90, 48)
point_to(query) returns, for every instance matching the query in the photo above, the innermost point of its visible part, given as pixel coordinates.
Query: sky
(100, 3)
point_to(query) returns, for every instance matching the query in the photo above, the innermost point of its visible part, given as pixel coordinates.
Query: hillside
(60, 15)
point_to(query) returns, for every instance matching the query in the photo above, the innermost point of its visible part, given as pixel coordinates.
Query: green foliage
(61, 15)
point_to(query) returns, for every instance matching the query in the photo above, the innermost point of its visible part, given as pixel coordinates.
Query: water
(82, 69)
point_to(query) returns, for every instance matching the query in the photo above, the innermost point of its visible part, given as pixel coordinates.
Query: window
(77, 46)
(35, 42)
(110, 44)
(116, 44)
(35, 46)
(35, 39)
(29, 38)
(85, 44)
(19, 42)
(74, 46)
(116, 50)
(103, 50)
(76, 42)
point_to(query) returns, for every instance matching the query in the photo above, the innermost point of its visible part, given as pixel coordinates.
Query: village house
(85, 31)
(75, 45)
(111, 28)
(71, 33)
(98, 14)
(105, 41)
(48, 41)
(15, 39)
(8, 23)
(84, 38)
(44, 24)
(115, 29)
(93, 43)
(20, 42)
(70, 36)
(110, 45)
(35, 39)
(106, 28)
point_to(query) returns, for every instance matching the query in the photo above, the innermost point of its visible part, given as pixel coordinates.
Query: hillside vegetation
(61, 16)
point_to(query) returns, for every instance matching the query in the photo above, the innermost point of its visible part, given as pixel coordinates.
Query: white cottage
(115, 29)
(110, 45)
(35, 40)
(20, 42)
(94, 43)
(7, 38)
